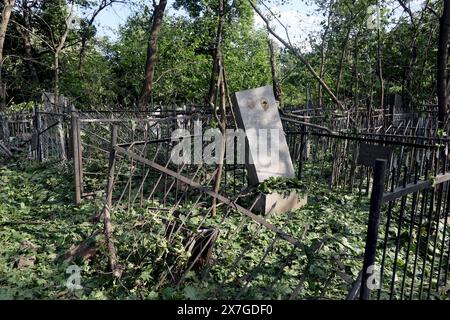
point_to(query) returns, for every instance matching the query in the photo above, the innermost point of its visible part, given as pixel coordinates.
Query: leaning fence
(40, 134)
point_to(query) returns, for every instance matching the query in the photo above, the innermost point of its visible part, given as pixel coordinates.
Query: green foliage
(35, 208)
(94, 85)
(38, 220)
(112, 71)
(185, 59)
(282, 184)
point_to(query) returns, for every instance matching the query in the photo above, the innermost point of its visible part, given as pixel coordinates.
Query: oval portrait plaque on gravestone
(264, 104)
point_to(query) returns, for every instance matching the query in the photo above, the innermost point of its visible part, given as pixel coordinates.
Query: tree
(273, 67)
(87, 25)
(223, 20)
(157, 19)
(24, 19)
(6, 14)
(217, 53)
(58, 47)
(184, 58)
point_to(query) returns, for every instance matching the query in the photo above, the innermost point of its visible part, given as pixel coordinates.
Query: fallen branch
(307, 124)
(29, 222)
(115, 267)
(84, 250)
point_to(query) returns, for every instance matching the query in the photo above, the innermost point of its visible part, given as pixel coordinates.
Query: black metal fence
(408, 240)
(407, 256)
(346, 160)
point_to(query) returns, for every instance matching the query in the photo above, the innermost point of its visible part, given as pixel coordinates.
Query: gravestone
(53, 139)
(257, 114)
(369, 153)
(397, 110)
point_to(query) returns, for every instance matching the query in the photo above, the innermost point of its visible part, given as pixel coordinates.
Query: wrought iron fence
(180, 203)
(408, 241)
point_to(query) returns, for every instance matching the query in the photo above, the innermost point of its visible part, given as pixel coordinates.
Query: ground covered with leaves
(40, 229)
(39, 225)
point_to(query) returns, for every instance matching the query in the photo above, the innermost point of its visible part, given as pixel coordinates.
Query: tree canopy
(359, 63)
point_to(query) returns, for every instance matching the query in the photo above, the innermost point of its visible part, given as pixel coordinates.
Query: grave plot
(92, 131)
(40, 133)
(409, 197)
(233, 252)
(268, 154)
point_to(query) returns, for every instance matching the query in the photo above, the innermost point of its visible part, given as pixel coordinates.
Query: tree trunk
(28, 55)
(218, 71)
(380, 68)
(56, 85)
(216, 55)
(276, 85)
(425, 54)
(152, 48)
(84, 38)
(323, 47)
(408, 81)
(442, 57)
(355, 86)
(321, 73)
(58, 50)
(27, 42)
(222, 122)
(341, 62)
(6, 14)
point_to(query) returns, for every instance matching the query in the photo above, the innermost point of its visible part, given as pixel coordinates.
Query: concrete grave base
(280, 202)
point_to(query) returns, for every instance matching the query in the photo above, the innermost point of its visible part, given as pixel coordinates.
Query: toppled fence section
(232, 253)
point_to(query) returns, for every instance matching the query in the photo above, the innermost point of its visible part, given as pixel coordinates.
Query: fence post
(76, 154)
(301, 153)
(4, 125)
(37, 128)
(115, 267)
(60, 128)
(372, 228)
(111, 165)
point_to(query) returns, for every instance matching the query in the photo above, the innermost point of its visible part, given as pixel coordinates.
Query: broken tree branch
(297, 54)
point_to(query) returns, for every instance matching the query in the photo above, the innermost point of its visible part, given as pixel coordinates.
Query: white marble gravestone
(268, 153)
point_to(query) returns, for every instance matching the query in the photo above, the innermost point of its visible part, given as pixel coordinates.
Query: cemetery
(240, 197)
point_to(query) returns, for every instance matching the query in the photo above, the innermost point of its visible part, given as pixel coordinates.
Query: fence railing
(346, 159)
(408, 240)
